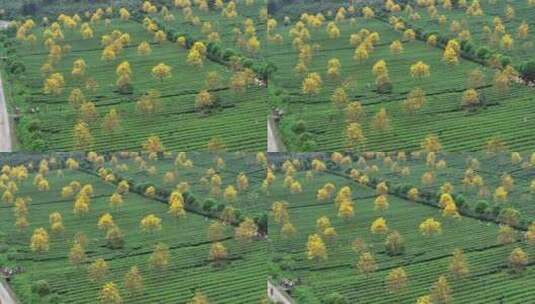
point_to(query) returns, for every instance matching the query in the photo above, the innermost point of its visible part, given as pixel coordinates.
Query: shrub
(394, 244)
(194, 203)
(34, 125)
(468, 47)
(299, 127)
(483, 53)
(443, 40)
(385, 87)
(29, 8)
(509, 216)
(141, 187)
(115, 238)
(481, 207)
(228, 53)
(127, 89)
(37, 144)
(334, 298)
(527, 70)
(12, 254)
(460, 200)
(17, 68)
(305, 295)
(238, 215)
(505, 60)
(189, 41)
(309, 145)
(208, 204)
(287, 263)
(405, 188)
(55, 299)
(496, 210)
(247, 63)
(304, 137)
(216, 50)
(274, 270)
(220, 207)
(262, 223)
(41, 287)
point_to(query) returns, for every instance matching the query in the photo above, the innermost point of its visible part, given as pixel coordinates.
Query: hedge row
(216, 53)
(480, 54)
(209, 207)
(483, 210)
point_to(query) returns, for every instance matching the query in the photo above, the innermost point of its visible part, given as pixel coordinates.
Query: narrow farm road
(273, 144)
(5, 133)
(5, 296)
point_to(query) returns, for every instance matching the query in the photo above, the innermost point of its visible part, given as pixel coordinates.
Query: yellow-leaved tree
(420, 70)
(246, 231)
(83, 140)
(54, 84)
(77, 254)
(312, 84)
(458, 266)
(98, 270)
(396, 280)
(133, 281)
(153, 145)
(218, 253)
(354, 135)
(176, 205)
(339, 98)
(144, 48)
(316, 249)
(199, 298)
(161, 71)
(124, 74)
(40, 241)
(109, 294)
(366, 263)
(203, 100)
(518, 260)
(151, 223)
(430, 227)
(440, 291)
(159, 258)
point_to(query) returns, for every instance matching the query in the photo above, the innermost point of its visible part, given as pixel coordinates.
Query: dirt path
(5, 133)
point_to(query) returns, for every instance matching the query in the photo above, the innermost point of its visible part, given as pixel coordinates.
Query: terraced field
(238, 119)
(424, 258)
(296, 189)
(522, 12)
(503, 113)
(239, 279)
(253, 199)
(226, 28)
(494, 169)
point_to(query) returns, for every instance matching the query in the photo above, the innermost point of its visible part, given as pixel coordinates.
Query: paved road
(5, 146)
(5, 297)
(5, 133)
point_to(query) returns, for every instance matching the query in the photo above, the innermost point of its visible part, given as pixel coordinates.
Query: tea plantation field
(234, 106)
(238, 276)
(340, 268)
(317, 118)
